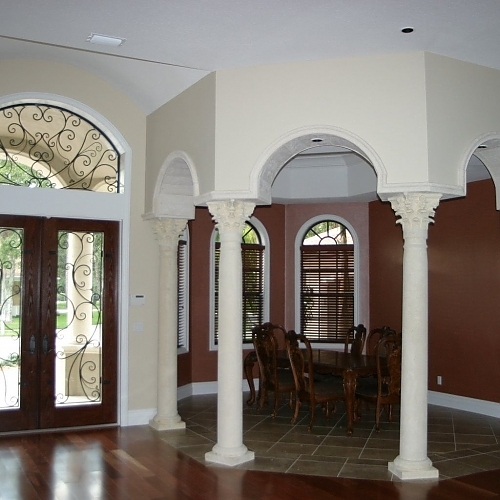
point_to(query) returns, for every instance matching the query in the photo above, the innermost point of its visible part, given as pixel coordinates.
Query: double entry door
(58, 322)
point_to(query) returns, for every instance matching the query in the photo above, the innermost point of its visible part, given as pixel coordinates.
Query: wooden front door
(58, 322)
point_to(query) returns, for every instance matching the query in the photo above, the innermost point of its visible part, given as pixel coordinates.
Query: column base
(167, 423)
(229, 456)
(413, 469)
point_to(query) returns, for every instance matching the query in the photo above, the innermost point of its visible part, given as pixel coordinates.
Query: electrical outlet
(439, 380)
(138, 327)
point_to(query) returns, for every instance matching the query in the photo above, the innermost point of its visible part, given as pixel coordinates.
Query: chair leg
(377, 416)
(312, 411)
(327, 410)
(262, 399)
(357, 409)
(275, 411)
(296, 412)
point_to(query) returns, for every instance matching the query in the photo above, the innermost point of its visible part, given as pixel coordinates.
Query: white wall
(463, 104)
(378, 99)
(187, 123)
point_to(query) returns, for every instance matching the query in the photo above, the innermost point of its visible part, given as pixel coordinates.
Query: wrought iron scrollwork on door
(78, 337)
(11, 243)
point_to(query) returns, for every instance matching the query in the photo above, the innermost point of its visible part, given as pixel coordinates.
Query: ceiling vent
(109, 41)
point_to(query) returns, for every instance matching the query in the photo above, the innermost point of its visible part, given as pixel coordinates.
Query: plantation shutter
(182, 298)
(216, 293)
(252, 288)
(327, 292)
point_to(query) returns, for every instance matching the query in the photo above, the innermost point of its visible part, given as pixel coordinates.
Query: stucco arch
(175, 188)
(486, 147)
(287, 146)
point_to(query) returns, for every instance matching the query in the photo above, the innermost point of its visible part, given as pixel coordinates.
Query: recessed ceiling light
(407, 30)
(110, 41)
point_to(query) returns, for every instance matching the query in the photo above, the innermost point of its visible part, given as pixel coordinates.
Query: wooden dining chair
(273, 377)
(386, 391)
(375, 335)
(355, 340)
(326, 393)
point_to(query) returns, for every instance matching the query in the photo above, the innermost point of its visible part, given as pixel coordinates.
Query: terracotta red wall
(464, 276)
(464, 279)
(273, 218)
(386, 267)
(464, 305)
(199, 361)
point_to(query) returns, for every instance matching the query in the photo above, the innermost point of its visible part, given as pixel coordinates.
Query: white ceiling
(200, 36)
(171, 44)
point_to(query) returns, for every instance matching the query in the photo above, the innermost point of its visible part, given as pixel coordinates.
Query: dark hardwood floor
(135, 463)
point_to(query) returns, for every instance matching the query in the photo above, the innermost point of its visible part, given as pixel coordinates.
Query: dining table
(326, 361)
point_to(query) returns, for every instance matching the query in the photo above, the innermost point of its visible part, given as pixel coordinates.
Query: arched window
(327, 268)
(46, 146)
(254, 277)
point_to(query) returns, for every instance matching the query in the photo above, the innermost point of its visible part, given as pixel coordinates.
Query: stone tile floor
(459, 443)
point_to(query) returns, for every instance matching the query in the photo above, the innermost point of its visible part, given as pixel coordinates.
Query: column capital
(416, 210)
(230, 215)
(168, 230)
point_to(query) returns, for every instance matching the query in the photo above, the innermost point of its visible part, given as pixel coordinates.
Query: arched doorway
(286, 148)
(319, 166)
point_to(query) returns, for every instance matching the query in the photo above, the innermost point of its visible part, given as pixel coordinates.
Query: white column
(230, 217)
(415, 211)
(167, 417)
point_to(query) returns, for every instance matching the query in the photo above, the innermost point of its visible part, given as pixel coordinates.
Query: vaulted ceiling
(169, 45)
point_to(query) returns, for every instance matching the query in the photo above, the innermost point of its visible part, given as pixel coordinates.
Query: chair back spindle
(355, 338)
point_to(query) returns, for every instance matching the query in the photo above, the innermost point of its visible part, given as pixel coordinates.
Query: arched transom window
(50, 147)
(326, 282)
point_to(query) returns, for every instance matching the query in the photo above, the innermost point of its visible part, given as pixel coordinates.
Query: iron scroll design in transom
(50, 147)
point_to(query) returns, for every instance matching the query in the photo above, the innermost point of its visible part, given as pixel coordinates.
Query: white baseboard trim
(142, 417)
(488, 408)
(200, 388)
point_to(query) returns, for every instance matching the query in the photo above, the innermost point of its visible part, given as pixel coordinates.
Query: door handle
(32, 345)
(45, 344)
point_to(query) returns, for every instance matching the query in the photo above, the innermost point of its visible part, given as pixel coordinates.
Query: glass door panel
(79, 318)
(11, 252)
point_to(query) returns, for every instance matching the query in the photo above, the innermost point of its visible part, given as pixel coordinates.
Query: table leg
(248, 365)
(350, 380)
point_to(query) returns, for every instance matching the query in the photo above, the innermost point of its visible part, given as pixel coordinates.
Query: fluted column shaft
(415, 211)
(168, 232)
(230, 217)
